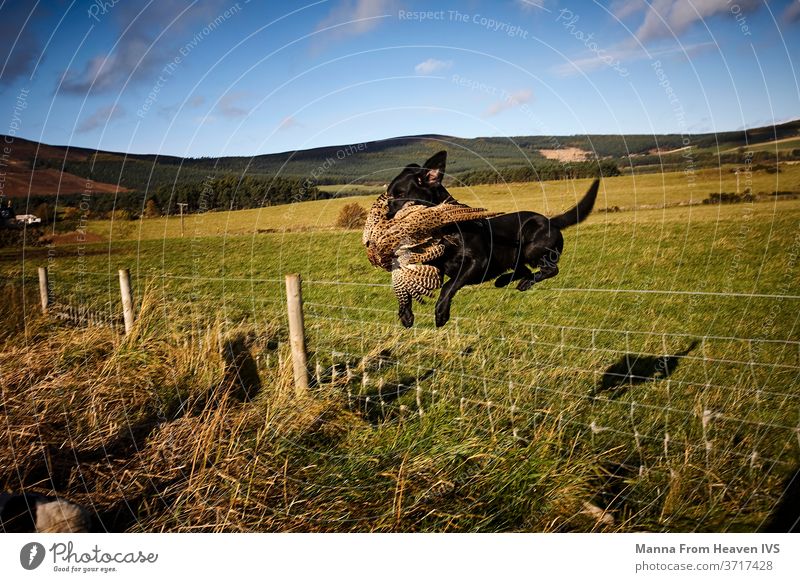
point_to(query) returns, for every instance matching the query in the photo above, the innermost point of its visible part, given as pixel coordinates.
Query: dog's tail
(580, 212)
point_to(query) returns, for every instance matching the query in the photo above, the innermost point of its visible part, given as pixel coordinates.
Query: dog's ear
(435, 167)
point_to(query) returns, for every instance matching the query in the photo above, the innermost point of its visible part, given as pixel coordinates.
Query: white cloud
(626, 53)
(230, 105)
(143, 46)
(195, 101)
(668, 18)
(532, 5)
(792, 13)
(289, 122)
(431, 66)
(509, 102)
(624, 8)
(361, 17)
(100, 118)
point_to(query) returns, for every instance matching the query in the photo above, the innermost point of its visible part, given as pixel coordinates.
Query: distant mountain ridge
(38, 172)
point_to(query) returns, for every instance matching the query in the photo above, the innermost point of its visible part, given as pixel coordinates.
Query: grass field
(525, 413)
(546, 197)
(777, 145)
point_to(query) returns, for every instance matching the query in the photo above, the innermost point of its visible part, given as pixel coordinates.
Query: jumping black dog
(504, 248)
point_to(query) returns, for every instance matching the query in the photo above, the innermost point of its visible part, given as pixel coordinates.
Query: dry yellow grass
(148, 433)
(643, 194)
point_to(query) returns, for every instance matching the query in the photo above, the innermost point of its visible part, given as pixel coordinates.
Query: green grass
(629, 192)
(773, 146)
(350, 189)
(509, 436)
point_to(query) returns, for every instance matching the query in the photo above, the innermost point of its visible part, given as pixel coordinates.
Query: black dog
(482, 250)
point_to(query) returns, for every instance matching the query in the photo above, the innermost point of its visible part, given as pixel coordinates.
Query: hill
(19, 179)
(141, 177)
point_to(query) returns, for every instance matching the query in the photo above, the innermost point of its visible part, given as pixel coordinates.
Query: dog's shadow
(785, 516)
(377, 404)
(633, 369)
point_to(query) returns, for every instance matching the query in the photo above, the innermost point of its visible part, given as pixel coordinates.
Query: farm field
(641, 192)
(776, 145)
(652, 386)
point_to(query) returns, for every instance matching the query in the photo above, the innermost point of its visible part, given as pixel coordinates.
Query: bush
(70, 213)
(43, 212)
(728, 198)
(351, 216)
(151, 209)
(17, 237)
(120, 215)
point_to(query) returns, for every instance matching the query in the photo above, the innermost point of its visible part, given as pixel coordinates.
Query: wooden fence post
(44, 289)
(297, 338)
(127, 298)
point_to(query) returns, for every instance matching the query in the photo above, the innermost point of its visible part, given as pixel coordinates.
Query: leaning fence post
(127, 298)
(44, 289)
(297, 339)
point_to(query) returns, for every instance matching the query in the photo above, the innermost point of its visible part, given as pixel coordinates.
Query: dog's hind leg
(522, 272)
(539, 276)
(548, 268)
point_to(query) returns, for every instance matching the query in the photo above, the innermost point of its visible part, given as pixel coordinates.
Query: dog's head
(419, 185)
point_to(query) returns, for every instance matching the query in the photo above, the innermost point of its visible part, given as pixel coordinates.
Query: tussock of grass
(166, 430)
(149, 431)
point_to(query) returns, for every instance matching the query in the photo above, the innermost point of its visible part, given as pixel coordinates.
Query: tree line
(537, 172)
(706, 159)
(226, 192)
(235, 192)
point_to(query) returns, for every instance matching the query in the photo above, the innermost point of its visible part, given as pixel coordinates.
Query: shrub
(43, 212)
(151, 209)
(120, 214)
(70, 213)
(351, 216)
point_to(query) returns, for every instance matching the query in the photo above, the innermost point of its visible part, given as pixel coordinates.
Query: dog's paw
(504, 280)
(525, 284)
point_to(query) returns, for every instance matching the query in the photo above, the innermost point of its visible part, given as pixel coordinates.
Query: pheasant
(405, 244)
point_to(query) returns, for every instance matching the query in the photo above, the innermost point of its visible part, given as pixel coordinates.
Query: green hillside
(262, 180)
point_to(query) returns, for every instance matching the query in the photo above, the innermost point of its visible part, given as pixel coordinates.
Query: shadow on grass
(785, 516)
(633, 369)
(241, 370)
(378, 403)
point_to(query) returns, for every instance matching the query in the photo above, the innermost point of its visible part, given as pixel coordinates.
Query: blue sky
(220, 77)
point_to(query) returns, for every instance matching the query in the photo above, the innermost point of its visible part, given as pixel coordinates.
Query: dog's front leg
(471, 273)
(443, 303)
(449, 289)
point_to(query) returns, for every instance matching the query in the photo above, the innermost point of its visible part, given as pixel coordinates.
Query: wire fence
(663, 396)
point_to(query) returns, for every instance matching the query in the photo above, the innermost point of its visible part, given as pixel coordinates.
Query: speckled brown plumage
(415, 281)
(406, 242)
(376, 224)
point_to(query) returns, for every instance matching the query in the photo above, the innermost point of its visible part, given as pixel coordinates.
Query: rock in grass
(32, 513)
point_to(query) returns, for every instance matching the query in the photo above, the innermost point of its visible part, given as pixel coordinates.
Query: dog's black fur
(501, 248)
